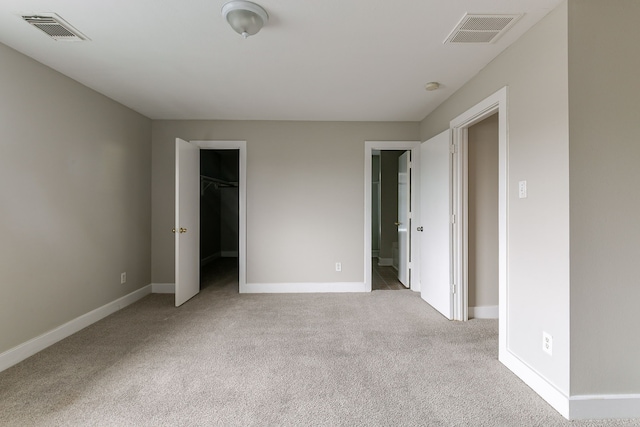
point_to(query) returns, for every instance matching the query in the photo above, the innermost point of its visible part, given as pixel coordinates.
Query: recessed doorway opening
(219, 219)
(390, 219)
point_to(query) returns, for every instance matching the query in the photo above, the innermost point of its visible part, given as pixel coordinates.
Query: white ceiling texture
(344, 60)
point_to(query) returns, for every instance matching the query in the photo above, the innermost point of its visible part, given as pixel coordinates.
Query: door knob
(420, 228)
(183, 230)
(397, 223)
(173, 230)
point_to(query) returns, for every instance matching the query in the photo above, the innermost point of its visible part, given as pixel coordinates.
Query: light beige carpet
(223, 359)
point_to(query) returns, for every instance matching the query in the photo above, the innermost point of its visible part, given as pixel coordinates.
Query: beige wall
(535, 71)
(483, 213)
(305, 195)
(75, 187)
(604, 118)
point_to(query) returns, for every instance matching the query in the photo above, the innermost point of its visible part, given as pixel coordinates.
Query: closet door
(187, 226)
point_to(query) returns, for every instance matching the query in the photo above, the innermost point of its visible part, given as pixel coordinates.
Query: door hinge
(452, 148)
(453, 219)
(453, 288)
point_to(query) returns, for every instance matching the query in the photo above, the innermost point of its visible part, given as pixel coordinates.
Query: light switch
(522, 189)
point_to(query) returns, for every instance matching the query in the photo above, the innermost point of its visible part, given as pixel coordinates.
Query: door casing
(414, 147)
(242, 196)
(459, 127)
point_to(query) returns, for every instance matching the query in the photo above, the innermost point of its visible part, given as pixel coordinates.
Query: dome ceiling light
(431, 86)
(246, 18)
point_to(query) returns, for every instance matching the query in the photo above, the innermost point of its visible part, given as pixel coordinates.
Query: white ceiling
(315, 60)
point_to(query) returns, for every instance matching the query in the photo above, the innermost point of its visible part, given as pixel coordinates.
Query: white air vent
(481, 28)
(55, 27)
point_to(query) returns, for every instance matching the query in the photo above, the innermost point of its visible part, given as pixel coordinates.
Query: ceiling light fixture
(431, 86)
(245, 17)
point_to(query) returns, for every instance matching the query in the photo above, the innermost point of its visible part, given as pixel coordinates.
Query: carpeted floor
(224, 359)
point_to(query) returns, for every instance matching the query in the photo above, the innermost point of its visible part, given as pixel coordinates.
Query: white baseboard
(552, 395)
(588, 407)
(229, 254)
(385, 262)
(27, 349)
(592, 407)
(163, 288)
(210, 258)
(484, 312)
(287, 288)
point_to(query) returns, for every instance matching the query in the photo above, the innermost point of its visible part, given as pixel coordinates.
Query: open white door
(435, 220)
(187, 228)
(404, 221)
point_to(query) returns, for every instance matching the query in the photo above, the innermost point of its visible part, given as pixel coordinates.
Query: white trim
(163, 288)
(554, 397)
(242, 196)
(592, 407)
(459, 125)
(288, 288)
(579, 407)
(27, 349)
(484, 312)
(414, 147)
(385, 262)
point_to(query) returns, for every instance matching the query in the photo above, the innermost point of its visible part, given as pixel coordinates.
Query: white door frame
(459, 126)
(242, 195)
(414, 147)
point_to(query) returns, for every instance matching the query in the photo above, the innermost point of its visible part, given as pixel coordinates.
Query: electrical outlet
(522, 189)
(338, 266)
(547, 343)
(123, 278)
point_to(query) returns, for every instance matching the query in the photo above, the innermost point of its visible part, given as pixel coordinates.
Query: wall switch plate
(123, 278)
(338, 266)
(522, 189)
(547, 343)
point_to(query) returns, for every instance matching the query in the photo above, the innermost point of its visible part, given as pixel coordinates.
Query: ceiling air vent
(55, 27)
(481, 28)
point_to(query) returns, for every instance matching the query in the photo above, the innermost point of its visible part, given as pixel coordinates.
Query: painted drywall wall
(483, 213)
(604, 119)
(536, 72)
(75, 185)
(305, 195)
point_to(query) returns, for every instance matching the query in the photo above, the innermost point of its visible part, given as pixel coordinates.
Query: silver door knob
(420, 229)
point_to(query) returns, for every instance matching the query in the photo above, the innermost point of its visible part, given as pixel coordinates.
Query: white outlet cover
(547, 343)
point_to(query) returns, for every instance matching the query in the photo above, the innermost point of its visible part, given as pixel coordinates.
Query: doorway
(219, 219)
(390, 195)
(374, 231)
(496, 103)
(482, 183)
(187, 219)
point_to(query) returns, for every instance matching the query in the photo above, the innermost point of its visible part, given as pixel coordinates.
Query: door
(404, 221)
(435, 220)
(187, 227)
